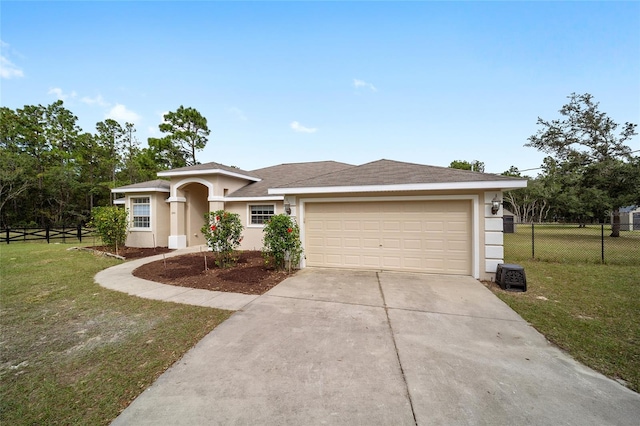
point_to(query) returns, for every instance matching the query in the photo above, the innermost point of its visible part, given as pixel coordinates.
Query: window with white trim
(141, 212)
(258, 215)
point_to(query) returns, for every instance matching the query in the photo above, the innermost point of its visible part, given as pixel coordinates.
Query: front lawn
(72, 352)
(592, 311)
(568, 243)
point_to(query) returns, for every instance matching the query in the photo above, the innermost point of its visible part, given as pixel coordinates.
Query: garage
(418, 236)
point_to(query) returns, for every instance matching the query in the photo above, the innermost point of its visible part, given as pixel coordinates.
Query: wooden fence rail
(32, 234)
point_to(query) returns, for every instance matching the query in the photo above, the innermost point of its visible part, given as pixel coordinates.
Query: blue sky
(280, 82)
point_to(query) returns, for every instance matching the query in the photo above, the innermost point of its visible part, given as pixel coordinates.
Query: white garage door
(421, 236)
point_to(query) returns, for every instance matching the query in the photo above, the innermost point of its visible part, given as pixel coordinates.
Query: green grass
(72, 352)
(570, 244)
(590, 310)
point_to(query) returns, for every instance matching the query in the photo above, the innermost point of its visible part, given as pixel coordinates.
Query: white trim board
(497, 185)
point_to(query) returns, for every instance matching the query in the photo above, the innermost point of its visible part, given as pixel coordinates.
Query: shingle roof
(150, 185)
(388, 172)
(282, 174)
(204, 167)
(330, 174)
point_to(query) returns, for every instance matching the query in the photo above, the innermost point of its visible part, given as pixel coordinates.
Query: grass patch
(592, 311)
(571, 244)
(72, 352)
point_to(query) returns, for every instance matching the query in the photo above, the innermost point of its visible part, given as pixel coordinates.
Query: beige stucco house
(384, 215)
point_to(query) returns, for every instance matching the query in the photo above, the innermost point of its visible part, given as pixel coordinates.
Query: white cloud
(60, 94)
(120, 113)
(238, 113)
(8, 69)
(98, 100)
(363, 84)
(300, 128)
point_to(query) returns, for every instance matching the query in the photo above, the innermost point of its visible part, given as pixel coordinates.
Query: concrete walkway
(366, 348)
(120, 278)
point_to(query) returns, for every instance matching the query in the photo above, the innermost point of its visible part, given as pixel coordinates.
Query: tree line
(589, 174)
(53, 173)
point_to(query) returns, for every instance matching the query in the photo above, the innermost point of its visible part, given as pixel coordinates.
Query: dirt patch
(248, 276)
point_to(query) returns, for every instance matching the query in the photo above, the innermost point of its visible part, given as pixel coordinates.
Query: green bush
(281, 242)
(223, 232)
(111, 223)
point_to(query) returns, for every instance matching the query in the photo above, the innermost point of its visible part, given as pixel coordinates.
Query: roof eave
(257, 198)
(128, 190)
(503, 185)
(169, 173)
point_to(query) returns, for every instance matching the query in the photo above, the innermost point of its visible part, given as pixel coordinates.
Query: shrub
(281, 242)
(111, 223)
(223, 232)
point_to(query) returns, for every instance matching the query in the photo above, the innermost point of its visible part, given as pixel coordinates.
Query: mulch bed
(248, 276)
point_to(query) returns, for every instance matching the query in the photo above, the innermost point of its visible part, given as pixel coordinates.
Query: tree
(111, 140)
(587, 143)
(474, 166)
(187, 130)
(513, 172)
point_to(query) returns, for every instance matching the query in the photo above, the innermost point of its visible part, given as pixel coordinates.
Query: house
(384, 215)
(629, 218)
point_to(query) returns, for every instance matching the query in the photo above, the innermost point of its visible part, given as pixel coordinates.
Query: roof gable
(158, 185)
(210, 169)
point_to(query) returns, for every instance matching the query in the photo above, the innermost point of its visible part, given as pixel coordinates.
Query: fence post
(80, 232)
(7, 234)
(47, 233)
(533, 243)
(602, 239)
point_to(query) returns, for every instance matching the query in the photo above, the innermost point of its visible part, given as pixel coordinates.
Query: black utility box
(511, 277)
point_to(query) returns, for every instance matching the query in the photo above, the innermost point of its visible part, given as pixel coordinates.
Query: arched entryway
(190, 199)
(196, 205)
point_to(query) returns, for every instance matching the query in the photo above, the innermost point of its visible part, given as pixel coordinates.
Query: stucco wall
(252, 234)
(158, 233)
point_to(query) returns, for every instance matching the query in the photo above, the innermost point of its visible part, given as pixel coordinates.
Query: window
(141, 212)
(260, 214)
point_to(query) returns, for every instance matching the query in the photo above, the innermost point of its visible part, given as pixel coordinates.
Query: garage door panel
(333, 225)
(391, 243)
(370, 242)
(371, 225)
(390, 226)
(434, 226)
(412, 226)
(333, 242)
(352, 225)
(422, 236)
(352, 243)
(409, 244)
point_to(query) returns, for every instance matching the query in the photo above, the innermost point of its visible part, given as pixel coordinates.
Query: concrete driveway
(366, 348)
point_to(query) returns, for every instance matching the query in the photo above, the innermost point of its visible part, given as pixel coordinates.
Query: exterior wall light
(287, 209)
(495, 205)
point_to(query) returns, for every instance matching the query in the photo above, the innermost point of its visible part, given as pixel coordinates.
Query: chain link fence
(572, 243)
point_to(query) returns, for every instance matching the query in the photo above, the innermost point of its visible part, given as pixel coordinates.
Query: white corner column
(177, 236)
(493, 234)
